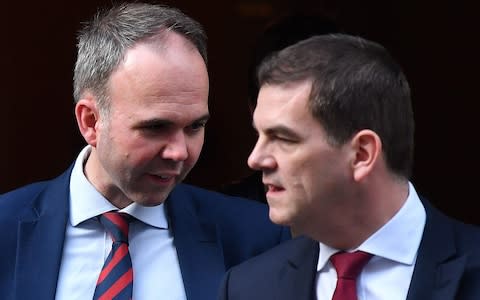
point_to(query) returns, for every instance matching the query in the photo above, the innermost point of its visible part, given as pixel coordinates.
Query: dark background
(435, 41)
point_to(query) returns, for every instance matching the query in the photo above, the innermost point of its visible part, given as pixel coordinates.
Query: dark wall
(435, 42)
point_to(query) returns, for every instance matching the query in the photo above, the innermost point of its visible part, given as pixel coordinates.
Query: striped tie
(116, 278)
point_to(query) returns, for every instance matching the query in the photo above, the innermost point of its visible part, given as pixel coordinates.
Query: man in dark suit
(335, 145)
(141, 92)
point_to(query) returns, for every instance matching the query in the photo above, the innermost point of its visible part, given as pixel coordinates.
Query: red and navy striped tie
(116, 278)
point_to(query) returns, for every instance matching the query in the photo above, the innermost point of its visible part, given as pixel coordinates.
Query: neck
(369, 207)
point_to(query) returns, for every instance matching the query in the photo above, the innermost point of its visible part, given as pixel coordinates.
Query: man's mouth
(273, 188)
(164, 178)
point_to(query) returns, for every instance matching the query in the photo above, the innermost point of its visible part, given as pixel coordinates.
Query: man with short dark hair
(335, 146)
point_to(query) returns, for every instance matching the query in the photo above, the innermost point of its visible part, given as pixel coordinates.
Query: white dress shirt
(394, 246)
(154, 258)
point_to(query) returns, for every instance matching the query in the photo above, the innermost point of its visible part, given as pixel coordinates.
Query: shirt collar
(398, 240)
(86, 202)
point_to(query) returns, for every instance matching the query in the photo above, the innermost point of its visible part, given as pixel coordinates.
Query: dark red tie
(348, 266)
(116, 278)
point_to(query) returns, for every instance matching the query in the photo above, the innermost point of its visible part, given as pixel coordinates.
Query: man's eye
(154, 127)
(284, 139)
(198, 125)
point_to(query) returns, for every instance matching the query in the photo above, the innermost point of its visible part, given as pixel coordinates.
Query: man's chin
(278, 217)
(150, 203)
(153, 198)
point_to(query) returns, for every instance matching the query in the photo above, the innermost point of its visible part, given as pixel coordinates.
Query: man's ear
(367, 148)
(87, 115)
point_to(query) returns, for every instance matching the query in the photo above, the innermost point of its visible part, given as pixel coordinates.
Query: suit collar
(41, 235)
(199, 252)
(298, 277)
(436, 276)
(39, 254)
(438, 267)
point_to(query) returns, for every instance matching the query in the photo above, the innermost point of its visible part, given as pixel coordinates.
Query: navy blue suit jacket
(212, 232)
(447, 267)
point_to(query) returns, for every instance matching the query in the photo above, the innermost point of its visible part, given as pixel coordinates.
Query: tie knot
(349, 265)
(116, 224)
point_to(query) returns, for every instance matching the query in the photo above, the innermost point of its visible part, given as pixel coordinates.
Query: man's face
(305, 176)
(154, 132)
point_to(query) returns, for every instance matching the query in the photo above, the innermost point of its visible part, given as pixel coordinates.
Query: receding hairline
(161, 41)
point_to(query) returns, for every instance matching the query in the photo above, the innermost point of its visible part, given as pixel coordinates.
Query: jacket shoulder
(12, 202)
(293, 251)
(17, 199)
(275, 274)
(243, 225)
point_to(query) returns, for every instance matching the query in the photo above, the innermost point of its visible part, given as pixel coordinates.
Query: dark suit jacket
(447, 267)
(212, 233)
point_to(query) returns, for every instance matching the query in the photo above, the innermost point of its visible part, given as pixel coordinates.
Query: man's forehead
(279, 97)
(172, 114)
(282, 104)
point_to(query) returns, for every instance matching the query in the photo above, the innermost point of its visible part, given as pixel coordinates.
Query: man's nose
(260, 159)
(176, 148)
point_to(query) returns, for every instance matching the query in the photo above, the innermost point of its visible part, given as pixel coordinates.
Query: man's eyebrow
(167, 122)
(278, 130)
(203, 118)
(153, 122)
(281, 129)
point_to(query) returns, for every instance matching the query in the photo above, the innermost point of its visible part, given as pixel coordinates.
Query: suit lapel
(438, 270)
(198, 248)
(436, 276)
(40, 242)
(297, 279)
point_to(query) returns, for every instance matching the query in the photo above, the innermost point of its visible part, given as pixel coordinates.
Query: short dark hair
(356, 85)
(280, 33)
(104, 41)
